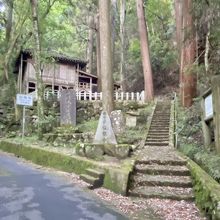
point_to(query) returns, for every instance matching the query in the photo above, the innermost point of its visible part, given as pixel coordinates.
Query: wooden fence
(96, 96)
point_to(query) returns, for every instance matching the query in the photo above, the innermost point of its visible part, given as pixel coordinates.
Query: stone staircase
(158, 134)
(159, 171)
(93, 177)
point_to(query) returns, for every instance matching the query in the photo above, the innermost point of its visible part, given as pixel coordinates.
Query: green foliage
(88, 126)
(189, 126)
(189, 150)
(134, 50)
(131, 136)
(209, 161)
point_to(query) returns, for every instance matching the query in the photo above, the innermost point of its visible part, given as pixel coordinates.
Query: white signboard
(24, 100)
(208, 106)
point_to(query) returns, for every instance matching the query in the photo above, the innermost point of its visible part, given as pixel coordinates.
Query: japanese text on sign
(24, 100)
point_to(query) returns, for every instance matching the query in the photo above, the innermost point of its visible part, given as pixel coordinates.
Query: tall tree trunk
(148, 79)
(207, 48)
(188, 56)
(98, 55)
(114, 12)
(179, 22)
(106, 55)
(8, 33)
(37, 66)
(122, 49)
(179, 38)
(90, 45)
(10, 6)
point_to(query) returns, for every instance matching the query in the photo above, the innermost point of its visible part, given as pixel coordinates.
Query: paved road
(28, 193)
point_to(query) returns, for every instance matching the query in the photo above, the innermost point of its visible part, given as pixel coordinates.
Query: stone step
(155, 140)
(159, 127)
(163, 116)
(160, 122)
(161, 180)
(93, 181)
(95, 173)
(162, 133)
(172, 193)
(164, 120)
(174, 162)
(156, 169)
(153, 130)
(158, 114)
(156, 132)
(158, 137)
(155, 143)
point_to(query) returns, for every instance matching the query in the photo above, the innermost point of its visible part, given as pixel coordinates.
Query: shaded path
(28, 193)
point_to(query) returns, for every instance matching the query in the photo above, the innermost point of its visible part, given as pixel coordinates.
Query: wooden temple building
(62, 73)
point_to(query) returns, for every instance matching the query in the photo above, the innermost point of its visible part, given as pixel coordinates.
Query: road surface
(29, 193)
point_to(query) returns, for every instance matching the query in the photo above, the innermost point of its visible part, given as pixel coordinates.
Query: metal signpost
(24, 100)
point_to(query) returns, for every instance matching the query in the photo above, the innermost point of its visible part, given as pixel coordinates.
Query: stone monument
(104, 133)
(118, 121)
(68, 107)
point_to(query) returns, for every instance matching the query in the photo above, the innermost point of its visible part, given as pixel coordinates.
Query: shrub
(209, 161)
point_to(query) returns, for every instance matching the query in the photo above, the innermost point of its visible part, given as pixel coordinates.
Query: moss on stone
(207, 191)
(116, 178)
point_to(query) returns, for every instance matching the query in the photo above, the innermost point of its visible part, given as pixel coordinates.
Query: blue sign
(24, 100)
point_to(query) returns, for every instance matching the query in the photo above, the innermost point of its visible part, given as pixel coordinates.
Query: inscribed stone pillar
(68, 107)
(104, 133)
(216, 108)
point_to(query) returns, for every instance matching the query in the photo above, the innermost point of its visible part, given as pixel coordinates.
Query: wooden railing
(96, 96)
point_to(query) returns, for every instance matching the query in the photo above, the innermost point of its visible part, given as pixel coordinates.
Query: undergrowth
(208, 160)
(190, 140)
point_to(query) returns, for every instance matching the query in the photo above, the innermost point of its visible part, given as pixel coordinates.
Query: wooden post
(95, 96)
(53, 79)
(138, 96)
(27, 78)
(127, 96)
(216, 109)
(122, 96)
(116, 96)
(132, 96)
(90, 84)
(90, 96)
(20, 75)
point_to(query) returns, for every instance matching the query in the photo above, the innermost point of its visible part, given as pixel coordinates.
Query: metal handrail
(175, 133)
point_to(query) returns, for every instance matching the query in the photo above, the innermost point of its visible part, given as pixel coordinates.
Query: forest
(161, 55)
(71, 28)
